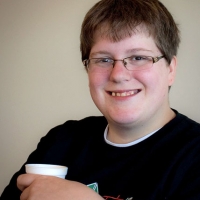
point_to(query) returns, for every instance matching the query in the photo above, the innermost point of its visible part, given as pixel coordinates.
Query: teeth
(123, 94)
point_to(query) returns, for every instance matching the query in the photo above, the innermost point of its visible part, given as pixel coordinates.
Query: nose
(119, 72)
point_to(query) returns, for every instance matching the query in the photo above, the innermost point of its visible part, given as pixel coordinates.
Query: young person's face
(141, 97)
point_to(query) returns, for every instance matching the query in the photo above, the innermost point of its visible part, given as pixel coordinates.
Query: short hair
(121, 18)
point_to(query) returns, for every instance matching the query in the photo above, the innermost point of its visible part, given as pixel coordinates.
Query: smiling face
(132, 100)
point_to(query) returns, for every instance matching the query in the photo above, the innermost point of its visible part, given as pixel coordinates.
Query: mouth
(124, 93)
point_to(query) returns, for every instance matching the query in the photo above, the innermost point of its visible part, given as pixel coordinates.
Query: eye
(103, 60)
(138, 58)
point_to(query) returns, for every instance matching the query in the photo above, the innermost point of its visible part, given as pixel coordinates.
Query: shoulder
(186, 124)
(68, 137)
(180, 133)
(92, 121)
(182, 123)
(86, 124)
(81, 128)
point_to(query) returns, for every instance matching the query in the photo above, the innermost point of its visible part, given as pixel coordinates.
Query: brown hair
(117, 19)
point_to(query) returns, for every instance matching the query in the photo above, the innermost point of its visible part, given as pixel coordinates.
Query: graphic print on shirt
(94, 186)
(116, 198)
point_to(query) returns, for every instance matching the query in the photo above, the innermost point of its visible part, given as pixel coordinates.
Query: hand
(39, 187)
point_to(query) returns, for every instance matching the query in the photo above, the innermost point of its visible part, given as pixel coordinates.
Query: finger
(25, 180)
(25, 194)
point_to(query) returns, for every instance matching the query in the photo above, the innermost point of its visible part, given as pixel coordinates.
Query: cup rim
(45, 165)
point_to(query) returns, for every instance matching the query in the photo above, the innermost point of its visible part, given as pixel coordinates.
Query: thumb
(25, 180)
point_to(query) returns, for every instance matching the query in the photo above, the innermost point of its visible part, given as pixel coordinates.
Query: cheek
(96, 81)
(96, 85)
(160, 85)
(153, 81)
(147, 78)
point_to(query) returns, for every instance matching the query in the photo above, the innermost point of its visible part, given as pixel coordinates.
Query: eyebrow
(136, 50)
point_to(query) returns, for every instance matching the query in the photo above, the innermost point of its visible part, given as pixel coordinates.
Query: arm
(53, 188)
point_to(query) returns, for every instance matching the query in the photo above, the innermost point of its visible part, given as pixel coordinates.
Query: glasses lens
(138, 62)
(100, 64)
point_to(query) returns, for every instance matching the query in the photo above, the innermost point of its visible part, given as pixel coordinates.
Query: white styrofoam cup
(46, 169)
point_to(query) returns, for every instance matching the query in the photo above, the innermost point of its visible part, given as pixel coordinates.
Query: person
(141, 148)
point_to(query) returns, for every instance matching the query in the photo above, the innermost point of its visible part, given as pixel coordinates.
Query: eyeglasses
(132, 63)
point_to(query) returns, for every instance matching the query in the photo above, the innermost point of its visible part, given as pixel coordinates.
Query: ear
(172, 70)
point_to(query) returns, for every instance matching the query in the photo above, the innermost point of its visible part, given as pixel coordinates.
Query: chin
(123, 120)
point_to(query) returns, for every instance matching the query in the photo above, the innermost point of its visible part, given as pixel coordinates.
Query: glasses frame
(154, 60)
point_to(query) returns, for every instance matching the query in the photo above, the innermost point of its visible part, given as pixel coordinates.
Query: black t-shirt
(164, 166)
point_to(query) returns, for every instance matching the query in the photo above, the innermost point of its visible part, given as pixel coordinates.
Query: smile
(124, 94)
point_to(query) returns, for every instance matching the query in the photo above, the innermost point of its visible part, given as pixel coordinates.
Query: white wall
(43, 82)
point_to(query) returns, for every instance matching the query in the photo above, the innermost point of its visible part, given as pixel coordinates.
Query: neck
(122, 134)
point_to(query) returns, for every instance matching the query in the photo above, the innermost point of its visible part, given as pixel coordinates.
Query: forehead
(105, 31)
(139, 41)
